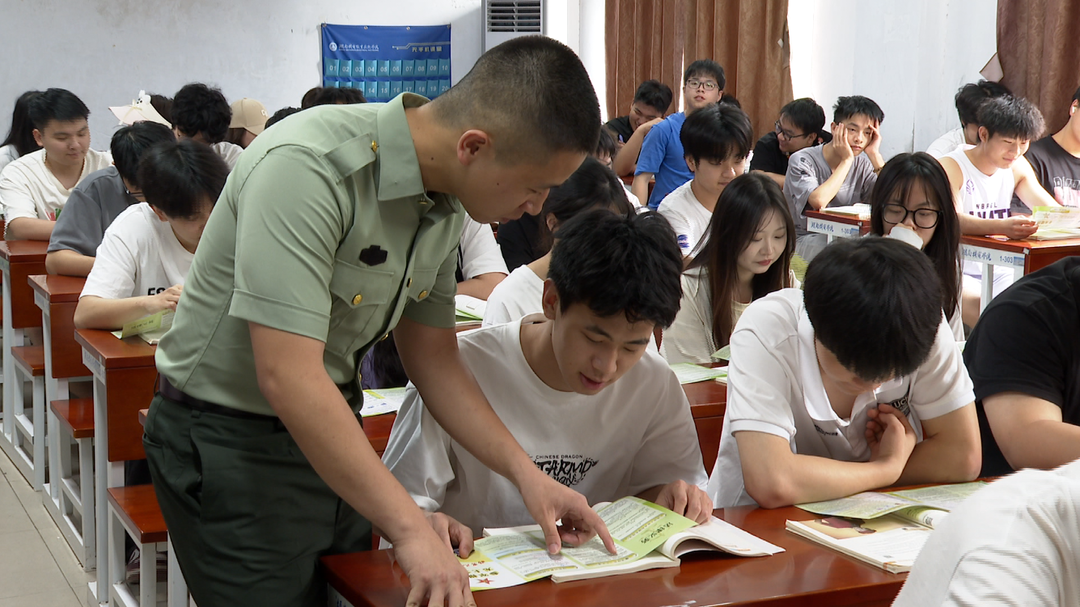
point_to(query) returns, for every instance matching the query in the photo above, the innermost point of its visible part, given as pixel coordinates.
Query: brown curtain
(1038, 44)
(749, 38)
(644, 39)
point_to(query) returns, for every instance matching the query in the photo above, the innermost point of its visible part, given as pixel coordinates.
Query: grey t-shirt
(807, 170)
(91, 208)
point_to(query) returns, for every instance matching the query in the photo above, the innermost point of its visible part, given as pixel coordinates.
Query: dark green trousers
(247, 515)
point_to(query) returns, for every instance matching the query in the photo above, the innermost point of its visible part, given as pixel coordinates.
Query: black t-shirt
(519, 241)
(768, 157)
(1058, 172)
(621, 127)
(1028, 340)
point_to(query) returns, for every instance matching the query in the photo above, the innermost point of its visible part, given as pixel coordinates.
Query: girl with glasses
(912, 193)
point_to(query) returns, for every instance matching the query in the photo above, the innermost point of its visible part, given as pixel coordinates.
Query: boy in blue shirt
(662, 153)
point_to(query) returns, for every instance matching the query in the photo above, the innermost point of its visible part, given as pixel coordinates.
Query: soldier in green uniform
(336, 226)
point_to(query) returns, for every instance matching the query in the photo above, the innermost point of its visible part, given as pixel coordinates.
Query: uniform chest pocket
(421, 283)
(360, 298)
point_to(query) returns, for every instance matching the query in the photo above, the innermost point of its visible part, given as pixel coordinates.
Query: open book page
(887, 542)
(689, 373)
(871, 504)
(383, 400)
(637, 526)
(469, 308)
(717, 534)
(944, 497)
(151, 328)
(1056, 222)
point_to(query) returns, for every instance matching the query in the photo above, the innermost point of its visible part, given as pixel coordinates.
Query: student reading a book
(838, 173)
(746, 255)
(145, 255)
(1055, 159)
(1023, 355)
(651, 101)
(100, 198)
(577, 388)
(35, 187)
(984, 178)
(1015, 542)
(912, 193)
(851, 384)
(592, 186)
(201, 113)
(716, 141)
(297, 294)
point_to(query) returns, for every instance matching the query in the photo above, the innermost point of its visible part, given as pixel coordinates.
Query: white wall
(909, 56)
(105, 51)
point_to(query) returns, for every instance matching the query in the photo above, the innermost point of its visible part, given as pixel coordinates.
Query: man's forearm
(640, 187)
(94, 312)
(978, 226)
(626, 160)
(29, 228)
(824, 193)
(68, 263)
(481, 286)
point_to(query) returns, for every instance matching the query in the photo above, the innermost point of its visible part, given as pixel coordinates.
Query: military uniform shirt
(323, 230)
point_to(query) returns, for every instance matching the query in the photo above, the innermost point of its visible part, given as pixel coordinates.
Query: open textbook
(150, 328)
(690, 373)
(647, 536)
(856, 210)
(1055, 223)
(883, 529)
(468, 308)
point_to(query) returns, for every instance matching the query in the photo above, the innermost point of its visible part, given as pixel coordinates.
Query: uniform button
(423, 294)
(384, 337)
(375, 147)
(356, 300)
(408, 283)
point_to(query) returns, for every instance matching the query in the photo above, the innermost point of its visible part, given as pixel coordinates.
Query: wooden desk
(57, 297)
(19, 259)
(707, 404)
(805, 575)
(1023, 256)
(835, 225)
(124, 376)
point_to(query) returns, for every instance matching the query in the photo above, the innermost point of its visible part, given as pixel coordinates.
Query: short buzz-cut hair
(805, 114)
(130, 143)
(856, 105)
(531, 94)
(56, 104)
(654, 94)
(705, 67)
(619, 264)
(717, 132)
(197, 108)
(178, 176)
(970, 97)
(1011, 117)
(875, 303)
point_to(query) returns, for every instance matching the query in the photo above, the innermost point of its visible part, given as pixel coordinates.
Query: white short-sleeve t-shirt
(774, 386)
(29, 189)
(515, 297)
(139, 255)
(635, 434)
(687, 216)
(479, 253)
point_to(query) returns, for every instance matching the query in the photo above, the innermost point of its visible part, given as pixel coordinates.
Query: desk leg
(101, 481)
(11, 338)
(987, 286)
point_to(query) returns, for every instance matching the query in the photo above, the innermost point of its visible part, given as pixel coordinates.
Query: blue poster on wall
(383, 61)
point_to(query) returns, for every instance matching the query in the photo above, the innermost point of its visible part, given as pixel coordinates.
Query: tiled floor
(37, 569)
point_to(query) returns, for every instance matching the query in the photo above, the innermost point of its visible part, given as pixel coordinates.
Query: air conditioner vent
(522, 16)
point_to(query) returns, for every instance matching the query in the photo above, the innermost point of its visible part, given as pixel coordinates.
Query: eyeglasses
(786, 134)
(708, 85)
(924, 218)
(136, 194)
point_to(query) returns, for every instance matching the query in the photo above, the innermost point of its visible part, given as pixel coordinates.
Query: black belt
(173, 393)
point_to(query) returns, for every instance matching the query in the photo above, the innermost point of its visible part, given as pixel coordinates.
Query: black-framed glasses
(924, 218)
(786, 134)
(708, 85)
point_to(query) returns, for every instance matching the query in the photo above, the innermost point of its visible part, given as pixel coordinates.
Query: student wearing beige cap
(248, 120)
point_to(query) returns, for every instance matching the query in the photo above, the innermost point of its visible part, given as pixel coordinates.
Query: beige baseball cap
(248, 114)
